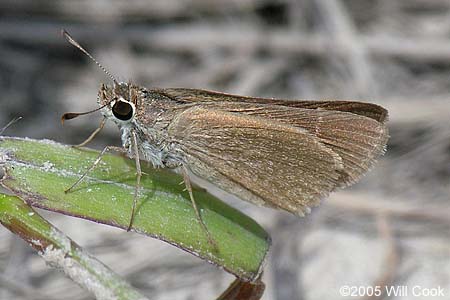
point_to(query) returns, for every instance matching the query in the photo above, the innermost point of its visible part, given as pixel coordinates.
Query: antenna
(75, 43)
(68, 116)
(9, 124)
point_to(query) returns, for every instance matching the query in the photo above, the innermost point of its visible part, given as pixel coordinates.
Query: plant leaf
(40, 171)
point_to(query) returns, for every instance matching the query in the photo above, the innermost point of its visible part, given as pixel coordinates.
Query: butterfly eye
(122, 110)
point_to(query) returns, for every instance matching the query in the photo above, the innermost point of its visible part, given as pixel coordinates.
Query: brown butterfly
(285, 154)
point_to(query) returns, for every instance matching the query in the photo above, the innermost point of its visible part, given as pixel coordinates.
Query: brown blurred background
(392, 228)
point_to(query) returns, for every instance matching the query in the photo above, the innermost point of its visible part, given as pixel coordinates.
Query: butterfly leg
(93, 134)
(96, 162)
(187, 182)
(138, 178)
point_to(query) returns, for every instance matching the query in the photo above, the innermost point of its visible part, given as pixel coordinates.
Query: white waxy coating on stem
(86, 270)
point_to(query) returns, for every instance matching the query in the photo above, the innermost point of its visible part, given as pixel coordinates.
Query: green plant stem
(61, 252)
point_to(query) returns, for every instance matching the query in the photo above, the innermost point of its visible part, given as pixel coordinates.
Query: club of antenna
(70, 39)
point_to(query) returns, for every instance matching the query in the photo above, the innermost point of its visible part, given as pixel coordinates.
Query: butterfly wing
(358, 140)
(260, 160)
(369, 110)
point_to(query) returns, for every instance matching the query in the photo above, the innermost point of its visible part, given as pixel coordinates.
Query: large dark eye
(122, 110)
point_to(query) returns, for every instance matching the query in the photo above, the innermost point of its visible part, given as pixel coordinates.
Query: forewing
(259, 160)
(369, 110)
(358, 140)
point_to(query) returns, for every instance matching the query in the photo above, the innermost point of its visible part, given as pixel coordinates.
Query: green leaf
(40, 171)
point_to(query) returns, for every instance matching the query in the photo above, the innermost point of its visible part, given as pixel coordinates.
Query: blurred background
(392, 228)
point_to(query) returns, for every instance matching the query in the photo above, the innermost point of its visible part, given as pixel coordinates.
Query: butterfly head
(118, 102)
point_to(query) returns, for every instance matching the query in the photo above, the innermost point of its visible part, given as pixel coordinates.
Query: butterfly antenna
(68, 116)
(70, 39)
(9, 124)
